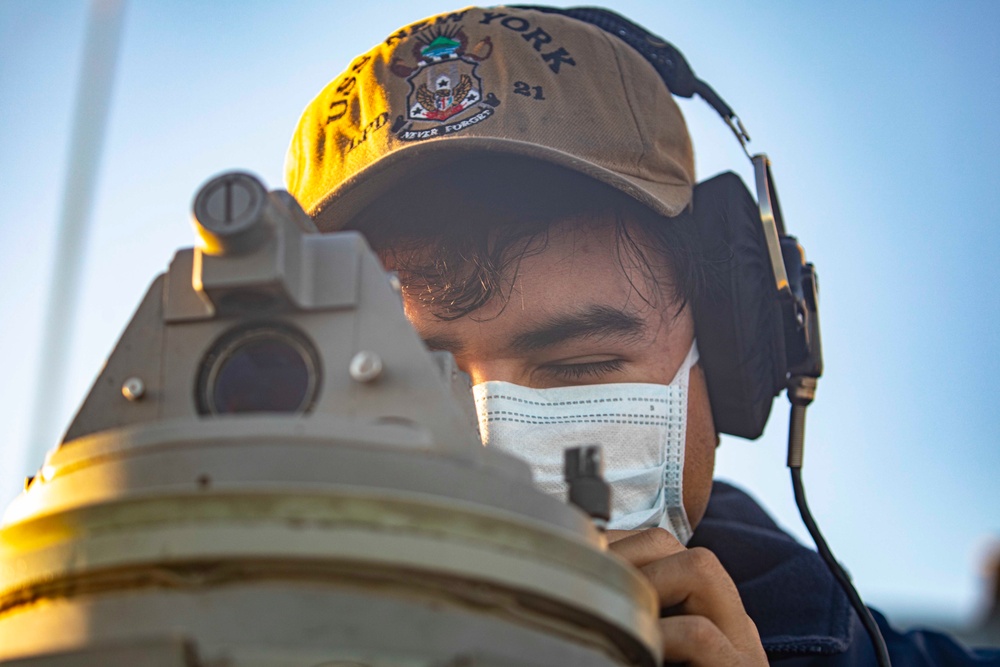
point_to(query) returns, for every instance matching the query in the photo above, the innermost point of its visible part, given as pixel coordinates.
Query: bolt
(133, 389)
(365, 366)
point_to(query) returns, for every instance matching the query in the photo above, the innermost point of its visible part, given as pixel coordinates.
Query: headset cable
(801, 391)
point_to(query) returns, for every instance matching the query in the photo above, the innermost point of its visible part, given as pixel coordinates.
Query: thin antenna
(93, 100)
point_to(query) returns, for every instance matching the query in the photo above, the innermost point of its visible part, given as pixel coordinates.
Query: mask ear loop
(683, 374)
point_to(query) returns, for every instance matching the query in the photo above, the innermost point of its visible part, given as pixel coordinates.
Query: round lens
(260, 370)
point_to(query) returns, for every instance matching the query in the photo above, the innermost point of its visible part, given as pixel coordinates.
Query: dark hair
(456, 234)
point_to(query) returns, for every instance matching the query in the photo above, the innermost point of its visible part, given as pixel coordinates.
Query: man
(518, 170)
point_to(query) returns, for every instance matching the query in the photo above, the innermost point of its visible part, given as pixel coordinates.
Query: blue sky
(881, 122)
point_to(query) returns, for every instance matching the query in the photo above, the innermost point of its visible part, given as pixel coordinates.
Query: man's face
(583, 310)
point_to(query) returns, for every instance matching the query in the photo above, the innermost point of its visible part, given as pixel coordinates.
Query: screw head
(133, 389)
(365, 366)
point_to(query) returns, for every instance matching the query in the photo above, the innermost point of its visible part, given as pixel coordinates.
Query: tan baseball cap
(490, 81)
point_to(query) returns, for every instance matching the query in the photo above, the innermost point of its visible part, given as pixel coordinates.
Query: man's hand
(706, 624)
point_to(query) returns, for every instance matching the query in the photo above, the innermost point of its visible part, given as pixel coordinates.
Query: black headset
(757, 318)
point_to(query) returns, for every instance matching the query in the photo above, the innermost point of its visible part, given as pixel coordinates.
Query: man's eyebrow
(595, 321)
(447, 343)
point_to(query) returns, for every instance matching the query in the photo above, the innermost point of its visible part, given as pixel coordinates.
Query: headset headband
(665, 58)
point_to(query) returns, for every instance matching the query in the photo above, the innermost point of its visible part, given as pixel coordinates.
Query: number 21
(522, 88)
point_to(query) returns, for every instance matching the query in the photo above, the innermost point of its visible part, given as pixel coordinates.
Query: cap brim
(353, 195)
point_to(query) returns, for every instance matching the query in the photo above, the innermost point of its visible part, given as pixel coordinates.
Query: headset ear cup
(736, 311)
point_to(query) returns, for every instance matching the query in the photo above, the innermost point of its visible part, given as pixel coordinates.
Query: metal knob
(583, 469)
(228, 213)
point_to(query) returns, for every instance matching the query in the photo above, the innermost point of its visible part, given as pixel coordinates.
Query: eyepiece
(265, 368)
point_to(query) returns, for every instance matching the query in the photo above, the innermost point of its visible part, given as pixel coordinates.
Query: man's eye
(590, 369)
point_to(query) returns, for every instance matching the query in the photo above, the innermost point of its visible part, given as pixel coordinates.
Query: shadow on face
(539, 276)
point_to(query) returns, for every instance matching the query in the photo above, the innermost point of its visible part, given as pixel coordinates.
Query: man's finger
(695, 580)
(615, 535)
(646, 546)
(696, 641)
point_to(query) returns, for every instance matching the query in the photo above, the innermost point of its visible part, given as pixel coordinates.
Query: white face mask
(640, 427)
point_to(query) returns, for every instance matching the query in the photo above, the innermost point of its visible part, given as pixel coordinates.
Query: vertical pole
(93, 100)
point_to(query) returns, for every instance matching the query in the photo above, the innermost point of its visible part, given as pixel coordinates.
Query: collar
(785, 587)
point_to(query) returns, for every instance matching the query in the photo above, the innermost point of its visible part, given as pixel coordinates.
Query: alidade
(271, 469)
